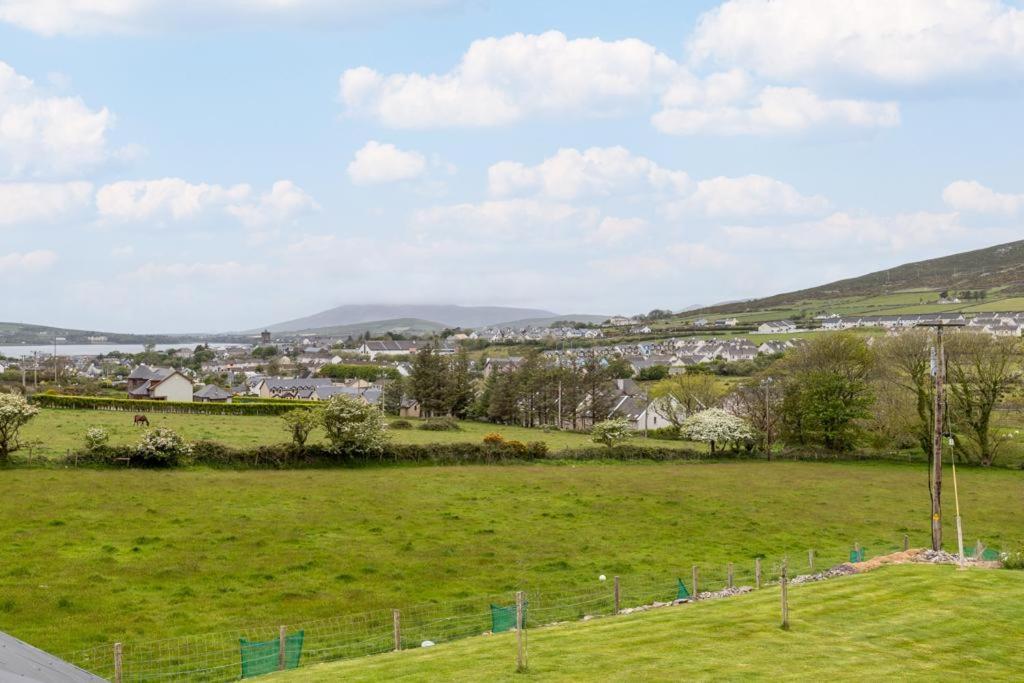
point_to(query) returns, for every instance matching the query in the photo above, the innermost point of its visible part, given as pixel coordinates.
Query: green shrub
(355, 429)
(441, 424)
(128, 405)
(400, 424)
(1014, 560)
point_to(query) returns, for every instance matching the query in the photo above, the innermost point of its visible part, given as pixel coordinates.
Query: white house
(159, 384)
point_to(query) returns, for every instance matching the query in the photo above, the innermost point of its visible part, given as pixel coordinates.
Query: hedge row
(130, 405)
(286, 456)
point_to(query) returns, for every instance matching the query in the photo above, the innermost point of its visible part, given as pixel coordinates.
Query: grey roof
(212, 391)
(280, 383)
(19, 661)
(146, 372)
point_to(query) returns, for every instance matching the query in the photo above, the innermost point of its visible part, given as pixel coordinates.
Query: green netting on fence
(681, 592)
(987, 554)
(504, 618)
(260, 658)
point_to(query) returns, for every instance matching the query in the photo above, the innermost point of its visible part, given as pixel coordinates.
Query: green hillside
(998, 269)
(893, 622)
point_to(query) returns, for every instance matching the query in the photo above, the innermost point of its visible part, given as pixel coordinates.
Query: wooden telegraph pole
(939, 370)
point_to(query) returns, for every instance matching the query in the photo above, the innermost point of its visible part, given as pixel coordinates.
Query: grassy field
(891, 623)
(54, 432)
(89, 557)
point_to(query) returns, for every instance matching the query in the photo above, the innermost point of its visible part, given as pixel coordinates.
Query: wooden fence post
(810, 559)
(757, 573)
(396, 627)
(282, 640)
(616, 595)
(729, 575)
(906, 542)
(695, 589)
(118, 663)
(520, 645)
(785, 597)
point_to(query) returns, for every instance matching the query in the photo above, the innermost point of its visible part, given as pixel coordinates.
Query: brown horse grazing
(141, 419)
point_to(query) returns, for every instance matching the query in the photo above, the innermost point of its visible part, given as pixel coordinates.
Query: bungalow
(280, 387)
(776, 327)
(211, 393)
(159, 384)
(409, 407)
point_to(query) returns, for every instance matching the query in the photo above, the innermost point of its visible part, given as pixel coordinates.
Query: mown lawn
(896, 623)
(89, 557)
(54, 432)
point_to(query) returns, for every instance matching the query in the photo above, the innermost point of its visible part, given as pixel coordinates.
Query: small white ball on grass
(602, 578)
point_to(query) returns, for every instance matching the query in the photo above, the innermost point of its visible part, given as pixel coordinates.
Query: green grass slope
(897, 623)
(1000, 266)
(91, 557)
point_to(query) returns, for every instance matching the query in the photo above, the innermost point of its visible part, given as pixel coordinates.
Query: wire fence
(215, 657)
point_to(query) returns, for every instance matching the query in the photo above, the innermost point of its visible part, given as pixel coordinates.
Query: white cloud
(614, 230)
(52, 17)
(840, 232)
(17, 262)
(506, 219)
(36, 202)
(42, 134)
(226, 270)
(970, 195)
(906, 42)
(570, 174)
(618, 174)
(284, 202)
(378, 162)
(178, 199)
(742, 110)
(751, 195)
(502, 80)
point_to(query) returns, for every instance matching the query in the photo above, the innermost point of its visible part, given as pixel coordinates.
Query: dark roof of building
(212, 391)
(19, 661)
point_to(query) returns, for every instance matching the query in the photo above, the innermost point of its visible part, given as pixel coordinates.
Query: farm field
(54, 432)
(88, 557)
(892, 621)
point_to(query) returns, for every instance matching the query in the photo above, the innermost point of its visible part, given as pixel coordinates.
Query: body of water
(27, 350)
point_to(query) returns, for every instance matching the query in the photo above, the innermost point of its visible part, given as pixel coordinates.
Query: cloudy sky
(222, 164)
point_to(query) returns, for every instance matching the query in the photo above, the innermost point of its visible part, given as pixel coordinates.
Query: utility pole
(939, 370)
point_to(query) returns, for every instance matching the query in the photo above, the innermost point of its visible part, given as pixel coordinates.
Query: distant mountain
(406, 326)
(446, 316)
(25, 333)
(998, 266)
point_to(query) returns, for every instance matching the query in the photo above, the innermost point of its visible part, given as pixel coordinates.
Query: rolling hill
(439, 315)
(997, 267)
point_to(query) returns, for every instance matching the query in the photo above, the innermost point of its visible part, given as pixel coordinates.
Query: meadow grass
(900, 622)
(89, 557)
(54, 432)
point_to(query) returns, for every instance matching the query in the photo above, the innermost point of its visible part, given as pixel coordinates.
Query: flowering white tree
(15, 412)
(716, 426)
(353, 427)
(163, 447)
(95, 438)
(610, 432)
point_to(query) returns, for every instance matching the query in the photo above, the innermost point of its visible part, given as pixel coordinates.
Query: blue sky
(222, 165)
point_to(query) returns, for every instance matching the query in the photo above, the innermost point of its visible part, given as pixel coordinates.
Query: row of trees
(838, 392)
